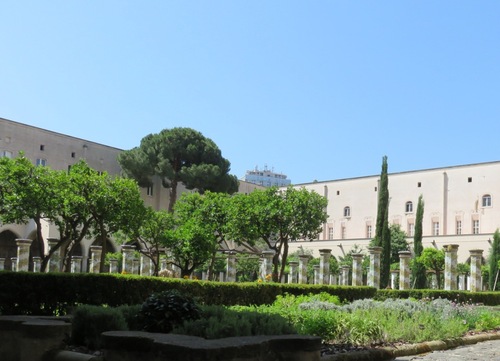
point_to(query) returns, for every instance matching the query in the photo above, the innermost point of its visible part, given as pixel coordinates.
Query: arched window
(409, 207)
(486, 200)
(347, 211)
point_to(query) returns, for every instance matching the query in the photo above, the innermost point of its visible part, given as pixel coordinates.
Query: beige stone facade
(461, 207)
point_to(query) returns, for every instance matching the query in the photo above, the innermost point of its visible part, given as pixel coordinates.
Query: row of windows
(8, 154)
(486, 202)
(410, 231)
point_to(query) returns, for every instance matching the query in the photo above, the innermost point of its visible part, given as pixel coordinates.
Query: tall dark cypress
(418, 269)
(382, 231)
(493, 261)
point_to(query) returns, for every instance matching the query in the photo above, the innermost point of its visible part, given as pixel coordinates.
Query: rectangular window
(41, 161)
(73, 154)
(6, 153)
(475, 226)
(435, 228)
(459, 227)
(411, 229)
(42, 147)
(149, 191)
(69, 168)
(368, 231)
(330, 232)
(343, 232)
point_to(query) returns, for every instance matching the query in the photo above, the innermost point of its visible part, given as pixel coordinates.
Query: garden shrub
(131, 316)
(219, 322)
(164, 310)
(90, 321)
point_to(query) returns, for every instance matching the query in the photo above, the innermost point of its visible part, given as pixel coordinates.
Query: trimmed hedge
(60, 293)
(486, 298)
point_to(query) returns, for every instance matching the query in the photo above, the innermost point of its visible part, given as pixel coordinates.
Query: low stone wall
(132, 346)
(28, 338)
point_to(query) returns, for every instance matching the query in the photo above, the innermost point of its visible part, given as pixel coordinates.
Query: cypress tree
(418, 269)
(494, 258)
(382, 231)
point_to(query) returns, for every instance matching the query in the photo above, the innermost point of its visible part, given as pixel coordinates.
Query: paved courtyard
(487, 350)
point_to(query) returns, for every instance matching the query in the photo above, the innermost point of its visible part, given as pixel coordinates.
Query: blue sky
(318, 90)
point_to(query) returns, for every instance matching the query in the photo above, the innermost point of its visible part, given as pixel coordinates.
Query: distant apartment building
(266, 178)
(462, 206)
(59, 152)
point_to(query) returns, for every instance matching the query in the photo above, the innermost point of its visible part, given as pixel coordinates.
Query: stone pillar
(450, 267)
(13, 262)
(231, 267)
(461, 281)
(55, 258)
(303, 260)
(404, 270)
(76, 264)
(221, 276)
(333, 279)
(135, 266)
(345, 275)
(357, 269)
(145, 266)
(2, 264)
(113, 265)
(37, 264)
(163, 264)
(394, 276)
(268, 265)
(324, 265)
(292, 277)
(431, 274)
(128, 259)
(374, 274)
(317, 274)
(95, 258)
(23, 254)
(476, 256)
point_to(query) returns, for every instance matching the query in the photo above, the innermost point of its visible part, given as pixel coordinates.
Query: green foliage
(398, 242)
(494, 260)
(219, 322)
(433, 259)
(382, 231)
(162, 311)
(179, 155)
(419, 268)
(88, 322)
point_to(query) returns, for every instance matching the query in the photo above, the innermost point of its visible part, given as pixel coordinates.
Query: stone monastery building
(461, 202)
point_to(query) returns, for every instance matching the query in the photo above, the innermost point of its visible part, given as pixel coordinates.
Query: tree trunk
(104, 247)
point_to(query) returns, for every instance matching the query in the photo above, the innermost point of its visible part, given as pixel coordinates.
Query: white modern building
(266, 177)
(462, 206)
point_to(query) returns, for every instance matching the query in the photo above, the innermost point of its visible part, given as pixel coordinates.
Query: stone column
(55, 258)
(76, 264)
(433, 279)
(476, 256)
(95, 258)
(13, 263)
(317, 274)
(231, 267)
(128, 259)
(324, 265)
(163, 264)
(135, 266)
(113, 265)
(268, 264)
(303, 260)
(374, 274)
(145, 266)
(404, 270)
(221, 276)
(357, 269)
(23, 254)
(2, 264)
(450, 267)
(461, 281)
(292, 277)
(394, 276)
(333, 279)
(37, 264)
(345, 275)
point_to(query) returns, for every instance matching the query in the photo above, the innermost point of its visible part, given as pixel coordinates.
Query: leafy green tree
(248, 267)
(398, 242)
(179, 155)
(433, 259)
(418, 269)
(494, 260)
(28, 192)
(382, 231)
(278, 217)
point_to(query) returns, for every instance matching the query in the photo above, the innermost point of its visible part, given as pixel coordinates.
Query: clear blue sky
(316, 89)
